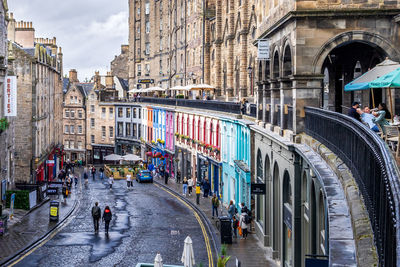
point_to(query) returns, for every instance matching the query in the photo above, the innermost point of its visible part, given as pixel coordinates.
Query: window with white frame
(92, 123)
(92, 108)
(138, 11)
(92, 139)
(72, 144)
(147, 51)
(79, 144)
(111, 113)
(72, 114)
(111, 130)
(103, 113)
(66, 130)
(147, 26)
(147, 8)
(72, 129)
(80, 114)
(103, 132)
(67, 113)
(79, 129)
(139, 70)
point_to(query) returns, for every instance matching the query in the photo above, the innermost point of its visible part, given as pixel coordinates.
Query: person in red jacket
(107, 216)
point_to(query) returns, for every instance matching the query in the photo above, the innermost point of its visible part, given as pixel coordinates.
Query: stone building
(100, 122)
(6, 134)
(119, 65)
(37, 64)
(166, 43)
(74, 118)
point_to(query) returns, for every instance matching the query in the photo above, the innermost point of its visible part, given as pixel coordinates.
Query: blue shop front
(208, 168)
(243, 183)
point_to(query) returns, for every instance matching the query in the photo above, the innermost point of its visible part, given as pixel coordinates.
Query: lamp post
(250, 72)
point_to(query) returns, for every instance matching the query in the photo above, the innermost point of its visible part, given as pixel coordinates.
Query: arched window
(287, 231)
(217, 132)
(260, 173)
(275, 210)
(187, 126)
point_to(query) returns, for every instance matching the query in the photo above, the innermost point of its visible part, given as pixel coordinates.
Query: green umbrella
(390, 80)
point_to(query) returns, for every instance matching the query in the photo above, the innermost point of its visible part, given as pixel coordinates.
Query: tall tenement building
(37, 65)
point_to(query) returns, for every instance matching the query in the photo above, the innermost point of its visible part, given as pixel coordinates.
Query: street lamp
(250, 71)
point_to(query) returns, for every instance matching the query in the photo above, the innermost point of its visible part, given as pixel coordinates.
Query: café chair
(392, 136)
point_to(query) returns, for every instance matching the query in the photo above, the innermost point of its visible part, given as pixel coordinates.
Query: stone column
(231, 46)
(266, 101)
(286, 98)
(260, 102)
(243, 55)
(306, 92)
(218, 68)
(275, 100)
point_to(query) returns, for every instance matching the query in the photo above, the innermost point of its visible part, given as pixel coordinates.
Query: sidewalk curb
(28, 247)
(208, 223)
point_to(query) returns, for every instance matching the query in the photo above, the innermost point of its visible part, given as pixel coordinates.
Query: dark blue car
(144, 176)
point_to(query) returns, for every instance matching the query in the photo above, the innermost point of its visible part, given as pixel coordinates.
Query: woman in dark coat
(107, 216)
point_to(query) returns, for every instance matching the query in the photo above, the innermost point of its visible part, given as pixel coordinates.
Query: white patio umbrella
(178, 88)
(113, 157)
(188, 255)
(154, 89)
(158, 261)
(131, 157)
(201, 87)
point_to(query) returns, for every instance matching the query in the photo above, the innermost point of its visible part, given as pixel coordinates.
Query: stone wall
(119, 66)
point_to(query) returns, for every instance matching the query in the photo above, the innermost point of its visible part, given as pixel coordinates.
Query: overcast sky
(90, 32)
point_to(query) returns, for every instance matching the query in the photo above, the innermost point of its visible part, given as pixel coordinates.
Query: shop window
(128, 113)
(120, 112)
(128, 129)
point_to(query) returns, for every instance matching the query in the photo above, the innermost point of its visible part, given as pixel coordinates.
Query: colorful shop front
(235, 153)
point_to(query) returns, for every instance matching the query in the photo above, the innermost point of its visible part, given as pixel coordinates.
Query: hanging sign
(263, 49)
(10, 96)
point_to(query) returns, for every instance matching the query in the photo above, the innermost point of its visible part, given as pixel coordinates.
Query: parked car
(144, 175)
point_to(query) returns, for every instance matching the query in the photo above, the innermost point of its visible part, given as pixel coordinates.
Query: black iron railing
(229, 107)
(289, 118)
(374, 169)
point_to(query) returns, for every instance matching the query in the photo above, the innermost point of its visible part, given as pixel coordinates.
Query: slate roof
(124, 83)
(65, 84)
(85, 87)
(30, 51)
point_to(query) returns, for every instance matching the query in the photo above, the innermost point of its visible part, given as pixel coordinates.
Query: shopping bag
(240, 230)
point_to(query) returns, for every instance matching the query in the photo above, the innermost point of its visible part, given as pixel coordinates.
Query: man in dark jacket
(206, 187)
(353, 111)
(96, 214)
(107, 216)
(93, 172)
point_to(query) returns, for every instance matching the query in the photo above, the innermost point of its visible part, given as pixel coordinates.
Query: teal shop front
(243, 182)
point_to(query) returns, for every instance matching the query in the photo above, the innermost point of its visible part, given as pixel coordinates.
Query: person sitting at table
(380, 116)
(367, 118)
(353, 111)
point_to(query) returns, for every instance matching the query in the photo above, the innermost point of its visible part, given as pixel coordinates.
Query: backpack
(96, 212)
(247, 219)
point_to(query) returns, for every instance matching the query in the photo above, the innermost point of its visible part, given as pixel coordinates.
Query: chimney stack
(73, 76)
(109, 80)
(97, 80)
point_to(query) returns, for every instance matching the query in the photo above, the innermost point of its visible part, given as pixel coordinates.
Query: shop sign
(263, 50)
(146, 80)
(258, 189)
(32, 199)
(10, 97)
(50, 162)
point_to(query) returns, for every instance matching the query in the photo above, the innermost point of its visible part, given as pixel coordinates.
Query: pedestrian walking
(235, 225)
(198, 192)
(206, 188)
(190, 185)
(184, 186)
(111, 181)
(107, 216)
(76, 180)
(231, 210)
(215, 205)
(101, 170)
(93, 172)
(244, 223)
(178, 177)
(128, 181)
(86, 178)
(96, 214)
(166, 177)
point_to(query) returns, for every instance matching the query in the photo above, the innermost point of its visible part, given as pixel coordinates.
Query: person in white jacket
(190, 185)
(243, 224)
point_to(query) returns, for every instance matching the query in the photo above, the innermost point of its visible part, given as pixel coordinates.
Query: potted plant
(3, 124)
(223, 258)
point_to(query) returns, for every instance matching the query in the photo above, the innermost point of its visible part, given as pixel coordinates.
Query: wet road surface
(146, 220)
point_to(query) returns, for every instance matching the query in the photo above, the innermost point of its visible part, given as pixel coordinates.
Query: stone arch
(287, 64)
(346, 37)
(322, 227)
(275, 65)
(287, 205)
(267, 70)
(276, 210)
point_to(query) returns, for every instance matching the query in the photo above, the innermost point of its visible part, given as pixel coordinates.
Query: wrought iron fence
(229, 107)
(374, 170)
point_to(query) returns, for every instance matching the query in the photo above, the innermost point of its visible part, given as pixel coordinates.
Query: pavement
(250, 252)
(147, 219)
(28, 227)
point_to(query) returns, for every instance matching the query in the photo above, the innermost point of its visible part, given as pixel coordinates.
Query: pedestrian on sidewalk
(166, 177)
(128, 181)
(178, 177)
(231, 209)
(93, 172)
(215, 205)
(206, 188)
(244, 222)
(190, 185)
(96, 214)
(101, 170)
(107, 216)
(235, 225)
(185, 186)
(111, 181)
(86, 178)
(198, 192)
(76, 180)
